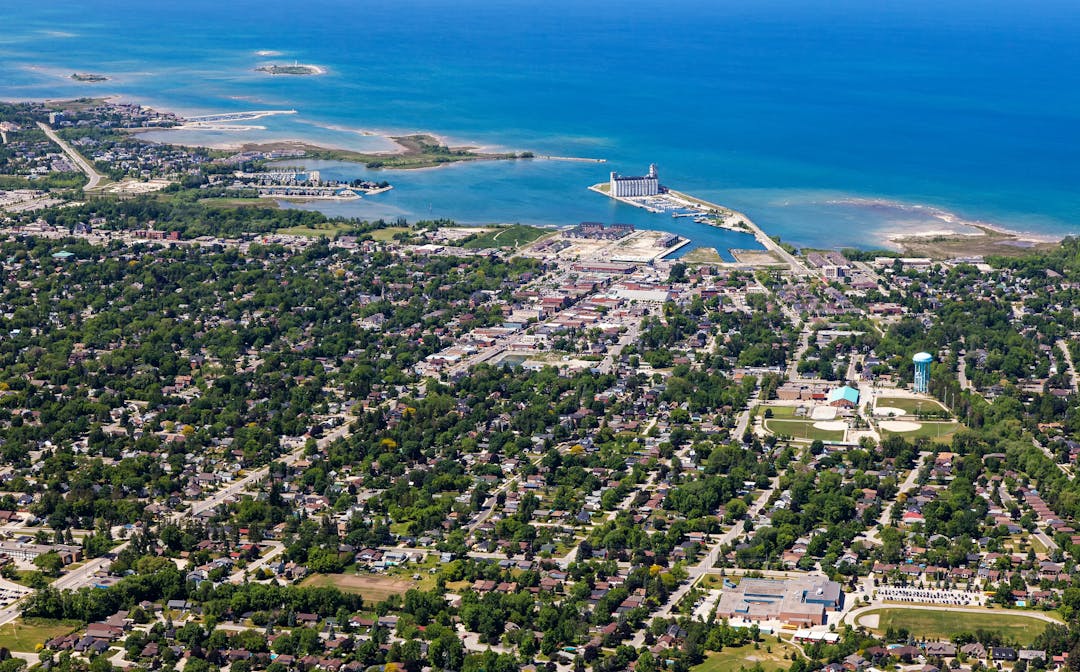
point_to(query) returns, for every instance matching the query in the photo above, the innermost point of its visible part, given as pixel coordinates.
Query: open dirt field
(899, 425)
(889, 410)
(371, 588)
(831, 425)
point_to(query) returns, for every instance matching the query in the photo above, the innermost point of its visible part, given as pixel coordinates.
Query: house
(1003, 653)
(974, 650)
(940, 649)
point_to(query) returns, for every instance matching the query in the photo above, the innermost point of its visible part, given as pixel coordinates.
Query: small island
(88, 77)
(294, 69)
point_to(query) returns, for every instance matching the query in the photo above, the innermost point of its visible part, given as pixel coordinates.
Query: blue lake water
(829, 123)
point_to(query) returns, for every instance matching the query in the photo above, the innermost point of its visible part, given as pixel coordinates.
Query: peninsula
(419, 150)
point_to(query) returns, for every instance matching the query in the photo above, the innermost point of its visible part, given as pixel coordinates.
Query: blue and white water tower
(922, 371)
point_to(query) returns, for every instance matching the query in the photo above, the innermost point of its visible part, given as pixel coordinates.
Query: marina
(646, 192)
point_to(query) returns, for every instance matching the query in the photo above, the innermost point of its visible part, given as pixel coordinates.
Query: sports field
(940, 624)
(803, 430)
(909, 405)
(938, 431)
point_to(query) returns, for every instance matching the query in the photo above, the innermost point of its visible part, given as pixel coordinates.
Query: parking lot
(930, 595)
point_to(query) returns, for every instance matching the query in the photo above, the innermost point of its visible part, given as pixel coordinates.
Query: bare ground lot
(371, 588)
(756, 257)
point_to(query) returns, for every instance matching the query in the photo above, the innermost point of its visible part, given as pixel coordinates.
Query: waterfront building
(922, 371)
(623, 186)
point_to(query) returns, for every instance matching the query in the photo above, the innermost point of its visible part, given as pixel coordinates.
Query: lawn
(716, 582)
(911, 406)
(803, 430)
(512, 236)
(327, 230)
(945, 624)
(371, 587)
(24, 634)
(744, 657)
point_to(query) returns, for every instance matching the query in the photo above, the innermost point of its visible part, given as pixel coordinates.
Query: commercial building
(801, 601)
(922, 371)
(27, 552)
(623, 186)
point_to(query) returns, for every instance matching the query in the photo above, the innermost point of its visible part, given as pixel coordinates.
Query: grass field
(327, 230)
(239, 202)
(702, 255)
(911, 406)
(511, 236)
(388, 233)
(744, 657)
(802, 429)
(372, 588)
(777, 411)
(944, 624)
(24, 634)
(938, 431)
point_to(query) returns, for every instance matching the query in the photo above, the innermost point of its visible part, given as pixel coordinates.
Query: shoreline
(955, 228)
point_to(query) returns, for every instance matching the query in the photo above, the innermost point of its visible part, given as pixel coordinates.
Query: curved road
(96, 178)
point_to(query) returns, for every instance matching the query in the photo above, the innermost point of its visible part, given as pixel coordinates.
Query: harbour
(646, 192)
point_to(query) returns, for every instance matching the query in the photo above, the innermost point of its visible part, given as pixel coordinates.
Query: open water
(830, 123)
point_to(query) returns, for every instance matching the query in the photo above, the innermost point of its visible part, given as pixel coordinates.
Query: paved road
(219, 497)
(276, 549)
(906, 486)
(490, 509)
(96, 178)
(1068, 360)
(631, 336)
(961, 376)
(706, 564)
(804, 345)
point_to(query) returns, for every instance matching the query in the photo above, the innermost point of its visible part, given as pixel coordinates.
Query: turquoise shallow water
(824, 121)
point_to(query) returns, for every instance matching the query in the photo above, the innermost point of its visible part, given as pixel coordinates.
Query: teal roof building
(843, 396)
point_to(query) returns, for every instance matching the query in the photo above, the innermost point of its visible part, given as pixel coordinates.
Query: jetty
(580, 159)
